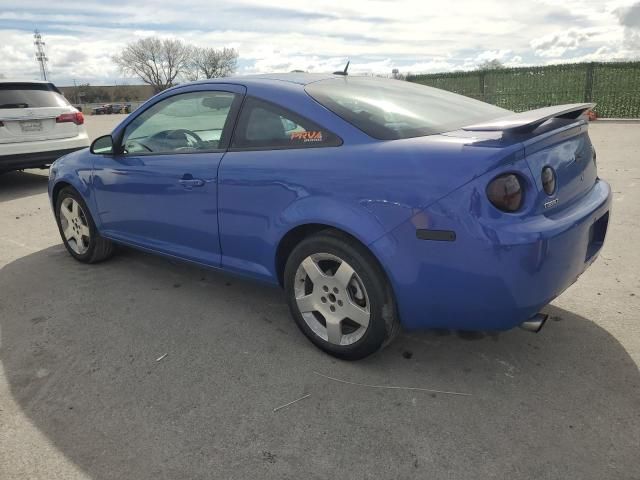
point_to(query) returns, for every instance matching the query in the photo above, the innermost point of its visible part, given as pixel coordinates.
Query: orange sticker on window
(307, 136)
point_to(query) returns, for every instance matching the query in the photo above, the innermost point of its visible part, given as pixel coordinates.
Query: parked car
(37, 125)
(111, 108)
(375, 203)
(120, 108)
(101, 109)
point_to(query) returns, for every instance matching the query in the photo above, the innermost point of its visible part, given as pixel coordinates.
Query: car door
(160, 190)
(274, 156)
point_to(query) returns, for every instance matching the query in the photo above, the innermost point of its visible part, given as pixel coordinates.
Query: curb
(617, 120)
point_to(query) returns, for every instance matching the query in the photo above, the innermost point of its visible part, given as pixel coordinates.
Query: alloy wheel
(332, 299)
(75, 227)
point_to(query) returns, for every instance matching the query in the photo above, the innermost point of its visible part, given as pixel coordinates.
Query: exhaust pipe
(535, 323)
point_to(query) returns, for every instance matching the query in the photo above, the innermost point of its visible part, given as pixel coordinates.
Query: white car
(37, 125)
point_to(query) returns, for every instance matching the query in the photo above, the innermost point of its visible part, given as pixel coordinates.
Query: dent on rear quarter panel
(424, 274)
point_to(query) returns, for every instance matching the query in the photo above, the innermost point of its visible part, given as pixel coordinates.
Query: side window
(263, 125)
(188, 122)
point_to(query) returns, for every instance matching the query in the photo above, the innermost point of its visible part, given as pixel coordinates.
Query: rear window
(30, 95)
(393, 109)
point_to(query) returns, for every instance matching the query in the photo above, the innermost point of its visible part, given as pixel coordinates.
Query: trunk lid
(569, 152)
(555, 137)
(34, 124)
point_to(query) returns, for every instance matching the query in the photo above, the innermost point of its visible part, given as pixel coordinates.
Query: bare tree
(212, 63)
(158, 62)
(491, 65)
(395, 74)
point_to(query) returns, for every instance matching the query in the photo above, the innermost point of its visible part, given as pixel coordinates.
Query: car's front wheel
(339, 296)
(77, 229)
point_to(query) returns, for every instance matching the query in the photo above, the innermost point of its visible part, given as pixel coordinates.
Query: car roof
(19, 80)
(299, 78)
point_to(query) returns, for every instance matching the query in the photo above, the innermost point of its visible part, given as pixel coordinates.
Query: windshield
(30, 95)
(392, 109)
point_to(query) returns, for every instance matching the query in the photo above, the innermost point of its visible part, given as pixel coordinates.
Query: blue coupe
(375, 203)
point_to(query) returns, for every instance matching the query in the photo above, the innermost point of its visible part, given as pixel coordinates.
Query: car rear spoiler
(528, 121)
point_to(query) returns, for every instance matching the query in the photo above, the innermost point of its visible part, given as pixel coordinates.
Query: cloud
(557, 44)
(72, 57)
(410, 35)
(489, 55)
(629, 16)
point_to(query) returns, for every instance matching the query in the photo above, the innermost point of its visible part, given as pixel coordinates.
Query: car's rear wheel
(339, 296)
(77, 229)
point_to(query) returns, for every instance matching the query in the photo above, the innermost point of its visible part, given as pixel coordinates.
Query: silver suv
(37, 125)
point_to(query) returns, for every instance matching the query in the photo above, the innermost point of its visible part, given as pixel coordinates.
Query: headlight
(506, 192)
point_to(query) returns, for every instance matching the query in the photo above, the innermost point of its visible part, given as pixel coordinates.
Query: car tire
(78, 230)
(347, 285)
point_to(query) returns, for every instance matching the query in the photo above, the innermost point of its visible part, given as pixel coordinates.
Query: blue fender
(75, 169)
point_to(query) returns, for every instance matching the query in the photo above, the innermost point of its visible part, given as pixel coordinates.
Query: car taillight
(548, 178)
(592, 149)
(75, 117)
(506, 192)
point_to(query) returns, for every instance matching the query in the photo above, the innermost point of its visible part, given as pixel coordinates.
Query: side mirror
(102, 145)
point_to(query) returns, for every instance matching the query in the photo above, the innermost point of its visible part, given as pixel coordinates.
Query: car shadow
(16, 185)
(141, 367)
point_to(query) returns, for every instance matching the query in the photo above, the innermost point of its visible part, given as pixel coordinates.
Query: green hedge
(615, 87)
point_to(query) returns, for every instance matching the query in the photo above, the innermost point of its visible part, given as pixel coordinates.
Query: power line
(41, 56)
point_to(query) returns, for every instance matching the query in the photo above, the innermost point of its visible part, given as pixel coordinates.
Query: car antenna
(343, 72)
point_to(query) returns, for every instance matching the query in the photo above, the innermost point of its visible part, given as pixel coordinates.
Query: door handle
(188, 181)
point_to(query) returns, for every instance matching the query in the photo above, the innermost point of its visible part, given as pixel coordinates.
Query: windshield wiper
(14, 105)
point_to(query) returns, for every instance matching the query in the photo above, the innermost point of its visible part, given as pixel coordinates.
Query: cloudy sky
(377, 36)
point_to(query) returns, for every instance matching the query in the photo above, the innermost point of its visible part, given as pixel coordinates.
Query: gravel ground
(82, 394)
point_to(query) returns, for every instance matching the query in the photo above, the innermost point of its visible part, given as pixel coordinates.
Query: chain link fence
(615, 86)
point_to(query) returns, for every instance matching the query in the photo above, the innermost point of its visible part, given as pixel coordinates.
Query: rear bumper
(497, 272)
(32, 160)
(38, 153)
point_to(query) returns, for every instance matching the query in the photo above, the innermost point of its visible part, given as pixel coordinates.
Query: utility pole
(41, 56)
